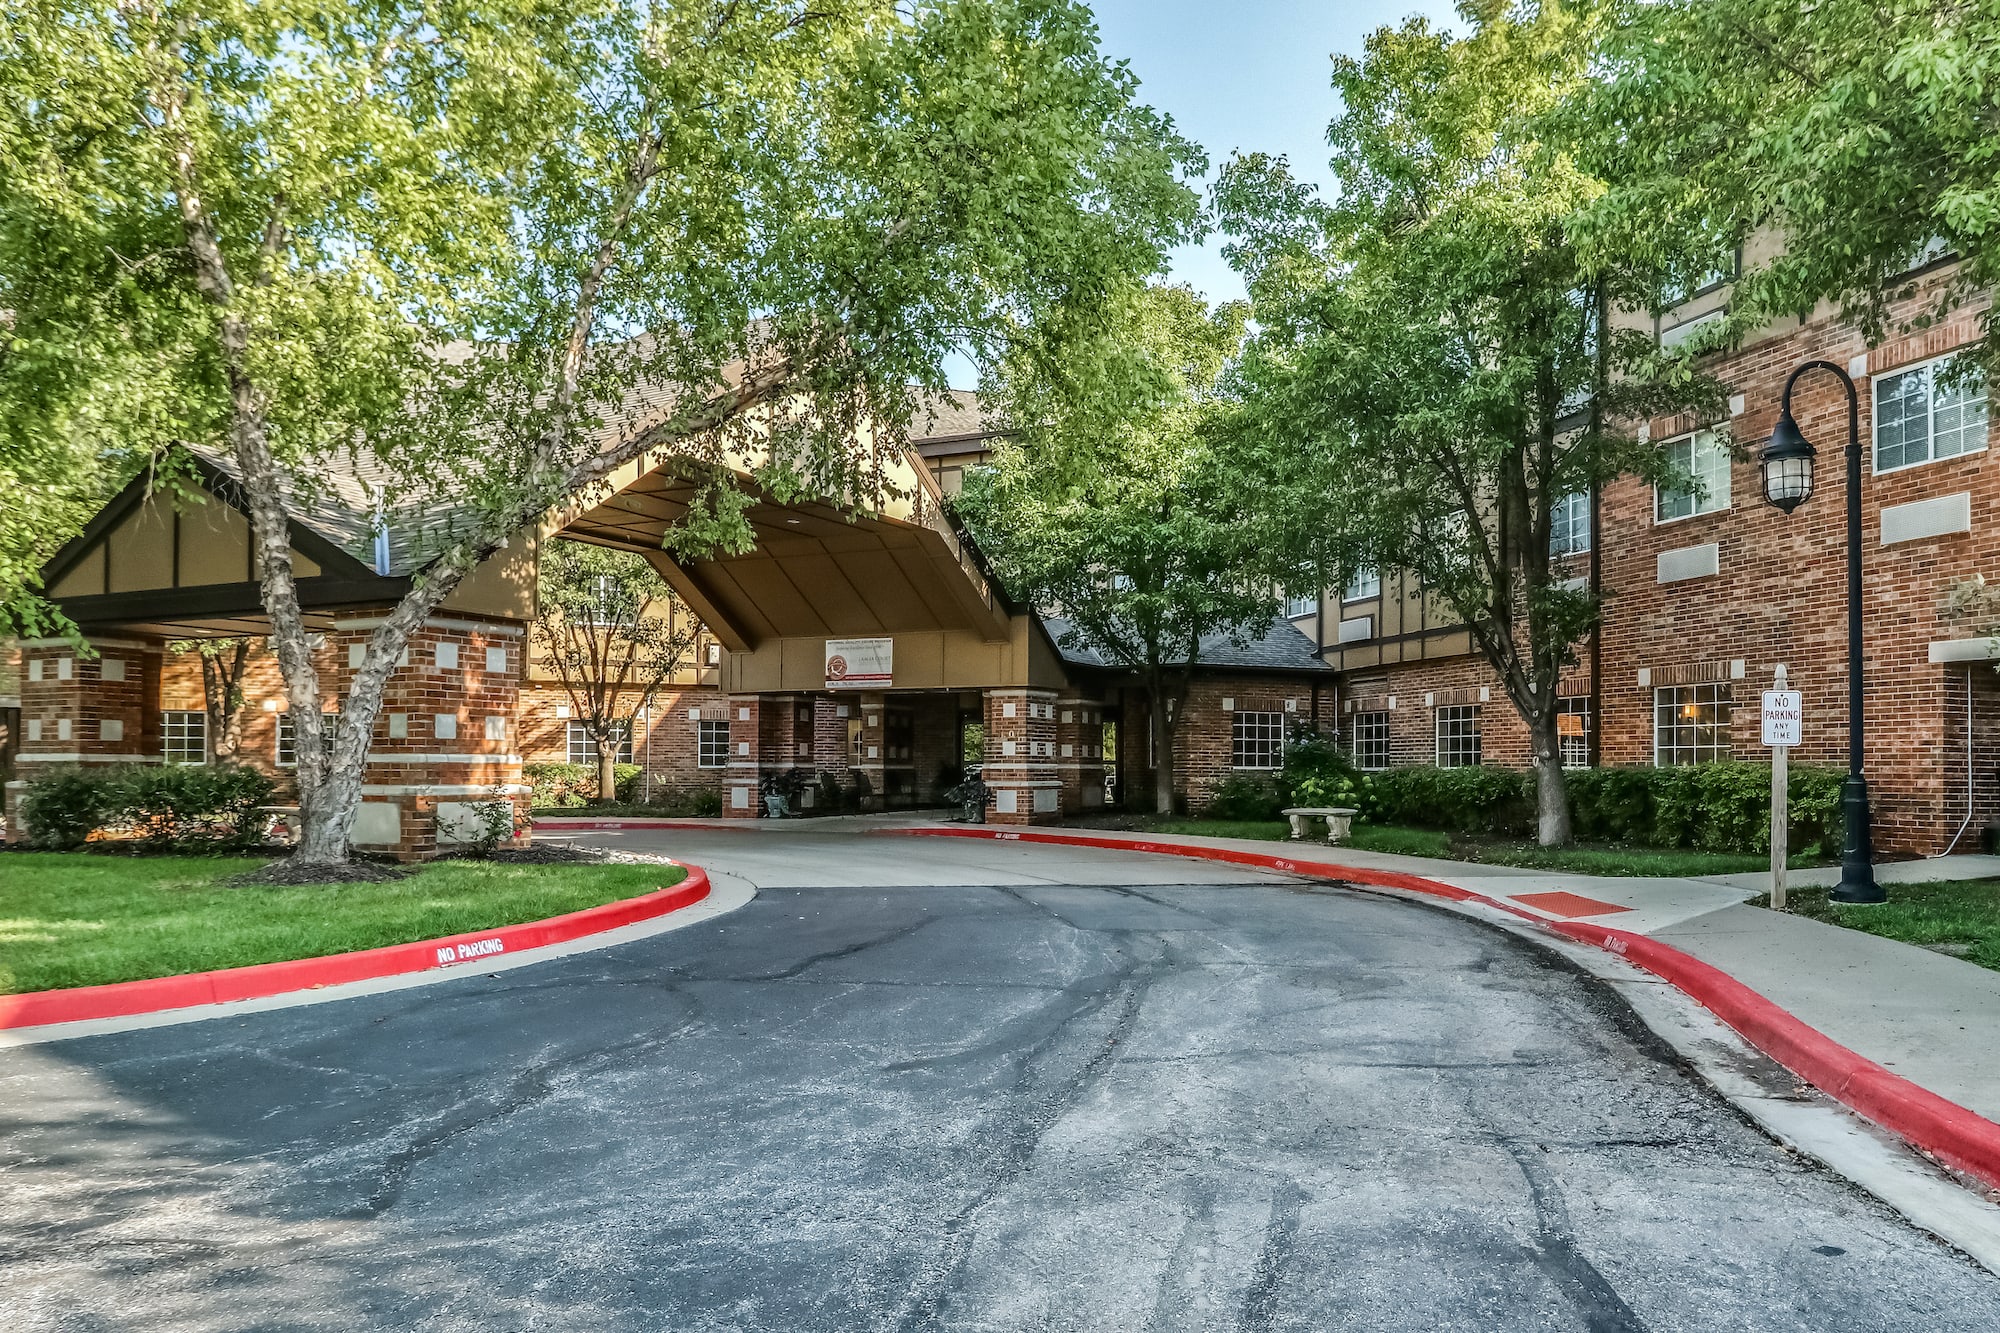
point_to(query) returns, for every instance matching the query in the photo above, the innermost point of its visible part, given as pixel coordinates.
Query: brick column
(448, 738)
(79, 710)
(1080, 753)
(740, 796)
(1020, 764)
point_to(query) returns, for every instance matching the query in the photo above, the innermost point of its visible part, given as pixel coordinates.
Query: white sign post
(1784, 726)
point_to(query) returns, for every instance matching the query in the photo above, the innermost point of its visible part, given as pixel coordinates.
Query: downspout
(1969, 787)
(1594, 737)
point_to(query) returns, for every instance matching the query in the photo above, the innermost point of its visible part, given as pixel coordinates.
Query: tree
(222, 663)
(1437, 368)
(1106, 503)
(610, 629)
(499, 249)
(1860, 131)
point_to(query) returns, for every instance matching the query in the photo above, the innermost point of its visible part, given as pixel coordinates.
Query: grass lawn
(73, 919)
(1664, 862)
(1960, 918)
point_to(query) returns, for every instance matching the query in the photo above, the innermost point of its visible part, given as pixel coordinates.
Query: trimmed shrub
(1316, 771)
(188, 807)
(560, 786)
(626, 779)
(194, 804)
(63, 809)
(1722, 807)
(1468, 800)
(1244, 796)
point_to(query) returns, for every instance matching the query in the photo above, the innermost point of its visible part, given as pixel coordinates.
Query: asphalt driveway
(944, 1085)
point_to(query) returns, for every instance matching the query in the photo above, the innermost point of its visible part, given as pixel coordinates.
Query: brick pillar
(1080, 753)
(740, 796)
(80, 710)
(1020, 764)
(447, 741)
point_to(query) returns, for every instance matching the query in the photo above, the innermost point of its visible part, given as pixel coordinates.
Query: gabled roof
(1278, 647)
(342, 505)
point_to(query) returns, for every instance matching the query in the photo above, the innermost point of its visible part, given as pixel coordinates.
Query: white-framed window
(1926, 413)
(1369, 739)
(1299, 604)
(1363, 584)
(184, 737)
(288, 738)
(581, 751)
(1704, 458)
(1569, 525)
(1573, 730)
(712, 744)
(1690, 724)
(1257, 740)
(1458, 736)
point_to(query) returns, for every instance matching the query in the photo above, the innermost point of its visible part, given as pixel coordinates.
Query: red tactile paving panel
(1567, 904)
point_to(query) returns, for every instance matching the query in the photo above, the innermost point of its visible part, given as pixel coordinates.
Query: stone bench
(285, 816)
(1339, 821)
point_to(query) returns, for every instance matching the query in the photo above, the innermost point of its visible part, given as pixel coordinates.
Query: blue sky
(1241, 74)
(1245, 74)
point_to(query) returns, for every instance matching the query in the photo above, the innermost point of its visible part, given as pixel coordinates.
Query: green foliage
(1709, 807)
(63, 809)
(1859, 130)
(1244, 796)
(1460, 800)
(488, 253)
(160, 806)
(1318, 772)
(1960, 918)
(567, 786)
(560, 786)
(80, 920)
(1436, 368)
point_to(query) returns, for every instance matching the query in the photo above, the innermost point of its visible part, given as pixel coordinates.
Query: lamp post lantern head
(1787, 462)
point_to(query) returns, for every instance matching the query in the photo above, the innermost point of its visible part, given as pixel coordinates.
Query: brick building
(1707, 589)
(867, 646)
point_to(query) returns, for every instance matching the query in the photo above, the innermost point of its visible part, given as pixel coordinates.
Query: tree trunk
(1551, 785)
(607, 770)
(1163, 754)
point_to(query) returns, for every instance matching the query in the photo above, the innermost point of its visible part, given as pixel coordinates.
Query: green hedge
(164, 807)
(565, 786)
(1710, 807)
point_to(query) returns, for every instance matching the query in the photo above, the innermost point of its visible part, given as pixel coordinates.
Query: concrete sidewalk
(1930, 1018)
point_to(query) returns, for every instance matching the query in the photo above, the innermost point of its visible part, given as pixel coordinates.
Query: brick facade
(1777, 594)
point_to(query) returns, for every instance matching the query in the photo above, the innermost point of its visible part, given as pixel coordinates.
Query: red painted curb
(1960, 1138)
(612, 823)
(122, 998)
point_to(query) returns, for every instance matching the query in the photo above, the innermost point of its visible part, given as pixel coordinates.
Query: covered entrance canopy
(900, 571)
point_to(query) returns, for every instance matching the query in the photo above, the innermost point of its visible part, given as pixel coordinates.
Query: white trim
(437, 622)
(1946, 651)
(1728, 504)
(458, 757)
(73, 758)
(1930, 436)
(135, 644)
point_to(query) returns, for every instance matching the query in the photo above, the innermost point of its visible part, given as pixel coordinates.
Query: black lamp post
(1788, 483)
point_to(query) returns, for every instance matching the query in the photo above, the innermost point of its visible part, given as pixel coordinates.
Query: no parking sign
(1784, 718)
